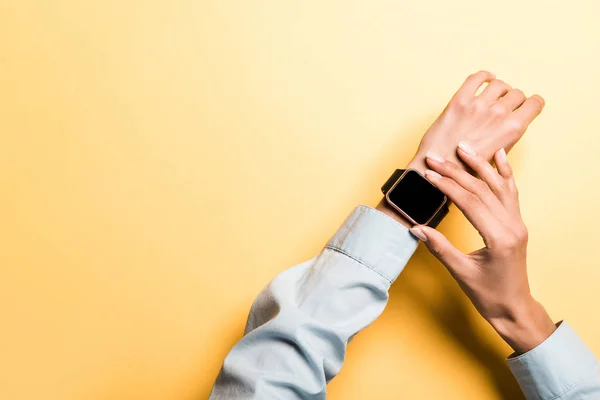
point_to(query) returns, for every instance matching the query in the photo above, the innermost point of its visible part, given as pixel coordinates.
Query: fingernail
(502, 155)
(418, 232)
(434, 156)
(434, 176)
(464, 146)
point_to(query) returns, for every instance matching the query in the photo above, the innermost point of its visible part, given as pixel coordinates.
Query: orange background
(130, 130)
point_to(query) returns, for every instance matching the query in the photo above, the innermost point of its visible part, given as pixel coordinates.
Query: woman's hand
(494, 277)
(494, 119)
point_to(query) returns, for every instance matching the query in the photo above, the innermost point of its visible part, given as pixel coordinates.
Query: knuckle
(520, 229)
(514, 127)
(480, 187)
(508, 243)
(503, 185)
(475, 107)
(451, 168)
(460, 104)
(470, 200)
(436, 249)
(498, 111)
(511, 242)
(522, 234)
(494, 241)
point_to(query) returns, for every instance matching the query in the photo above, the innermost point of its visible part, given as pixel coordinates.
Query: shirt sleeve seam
(358, 260)
(569, 388)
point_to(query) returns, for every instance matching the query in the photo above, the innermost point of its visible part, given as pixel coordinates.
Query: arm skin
(300, 324)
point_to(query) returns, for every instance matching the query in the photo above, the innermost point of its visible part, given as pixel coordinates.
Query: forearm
(300, 324)
(548, 363)
(524, 325)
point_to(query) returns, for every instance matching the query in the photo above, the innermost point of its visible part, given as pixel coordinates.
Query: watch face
(416, 197)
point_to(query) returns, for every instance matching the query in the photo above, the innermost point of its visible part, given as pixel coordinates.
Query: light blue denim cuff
(375, 240)
(555, 366)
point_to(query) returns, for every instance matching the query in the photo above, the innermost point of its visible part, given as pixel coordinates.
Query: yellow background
(130, 130)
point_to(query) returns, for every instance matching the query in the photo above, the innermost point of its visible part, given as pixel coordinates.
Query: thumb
(441, 248)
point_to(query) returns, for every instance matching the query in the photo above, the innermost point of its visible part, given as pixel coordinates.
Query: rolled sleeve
(376, 241)
(558, 368)
(300, 324)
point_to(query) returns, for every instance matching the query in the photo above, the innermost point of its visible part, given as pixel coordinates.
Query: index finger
(473, 83)
(478, 214)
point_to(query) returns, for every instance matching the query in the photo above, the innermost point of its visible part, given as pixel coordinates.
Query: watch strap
(437, 218)
(391, 180)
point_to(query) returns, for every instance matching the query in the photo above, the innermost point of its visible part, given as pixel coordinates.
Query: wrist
(418, 163)
(385, 208)
(525, 326)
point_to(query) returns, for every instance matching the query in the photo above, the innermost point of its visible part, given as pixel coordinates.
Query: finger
(478, 187)
(505, 170)
(441, 248)
(494, 91)
(529, 110)
(471, 206)
(473, 83)
(512, 100)
(486, 172)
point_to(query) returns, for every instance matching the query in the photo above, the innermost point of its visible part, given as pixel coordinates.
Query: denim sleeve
(560, 368)
(299, 326)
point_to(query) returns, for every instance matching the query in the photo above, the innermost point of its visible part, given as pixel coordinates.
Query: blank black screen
(416, 196)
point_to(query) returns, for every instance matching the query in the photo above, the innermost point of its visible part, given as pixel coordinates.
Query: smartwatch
(417, 199)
